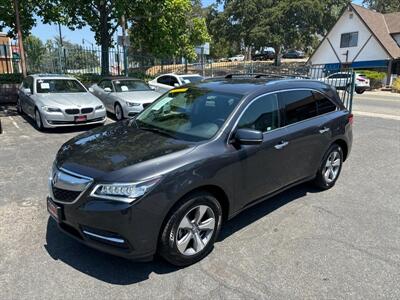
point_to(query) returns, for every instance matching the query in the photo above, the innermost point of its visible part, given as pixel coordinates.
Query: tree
(27, 10)
(383, 6)
(35, 52)
(168, 28)
(102, 16)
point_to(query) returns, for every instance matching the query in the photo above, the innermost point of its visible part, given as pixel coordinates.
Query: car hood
(138, 97)
(122, 152)
(69, 99)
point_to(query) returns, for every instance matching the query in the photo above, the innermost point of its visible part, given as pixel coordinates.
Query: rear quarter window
(324, 104)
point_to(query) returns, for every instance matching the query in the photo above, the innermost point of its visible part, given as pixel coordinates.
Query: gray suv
(58, 101)
(165, 181)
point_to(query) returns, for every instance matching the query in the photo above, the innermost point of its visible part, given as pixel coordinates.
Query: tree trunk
(277, 61)
(105, 39)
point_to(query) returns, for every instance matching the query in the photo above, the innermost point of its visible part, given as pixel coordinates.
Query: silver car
(57, 101)
(124, 97)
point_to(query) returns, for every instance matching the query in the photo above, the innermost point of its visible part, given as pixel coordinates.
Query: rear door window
(164, 80)
(262, 114)
(298, 105)
(324, 104)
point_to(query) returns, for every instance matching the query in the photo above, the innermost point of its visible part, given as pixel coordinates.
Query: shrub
(396, 84)
(10, 78)
(375, 77)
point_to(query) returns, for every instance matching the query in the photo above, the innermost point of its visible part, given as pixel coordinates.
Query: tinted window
(106, 84)
(349, 40)
(324, 105)
(164, 80)
(262, 114)
(299, 106)
(340, 75)
(173, 80)
(130, 86)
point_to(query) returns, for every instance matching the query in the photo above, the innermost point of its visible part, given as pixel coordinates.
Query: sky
(85, 35)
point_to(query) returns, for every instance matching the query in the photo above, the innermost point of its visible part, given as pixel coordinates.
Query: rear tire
(360, 91)
(331, 166)
(191, 229)
(19, 107)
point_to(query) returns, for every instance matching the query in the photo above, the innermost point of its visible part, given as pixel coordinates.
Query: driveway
(341, 243)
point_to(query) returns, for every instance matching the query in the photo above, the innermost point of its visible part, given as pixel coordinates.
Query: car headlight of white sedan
(132, 104)
(51, 109)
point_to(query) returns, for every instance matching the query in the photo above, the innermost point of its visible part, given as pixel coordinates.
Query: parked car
(167, 179)
(166, 82)
(239, 57)
(58, 101)
(294, 54)
(264, 55)
(342, 81)
(123, 96)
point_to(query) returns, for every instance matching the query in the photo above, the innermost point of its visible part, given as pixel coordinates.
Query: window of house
(349, 39)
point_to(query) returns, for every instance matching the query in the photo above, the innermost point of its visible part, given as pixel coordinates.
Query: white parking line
(376, 115)
(15, 123)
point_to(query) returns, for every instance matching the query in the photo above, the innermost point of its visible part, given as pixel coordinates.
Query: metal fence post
(353, 88)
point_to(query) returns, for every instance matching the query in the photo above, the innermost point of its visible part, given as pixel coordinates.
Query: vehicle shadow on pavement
(116, 270)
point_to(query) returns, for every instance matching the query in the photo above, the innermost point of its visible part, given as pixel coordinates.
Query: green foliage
(168, 28)
(383, 6)
(10, 78)
(27, 9)
(375, 77)
(34, 50)
(396, 85)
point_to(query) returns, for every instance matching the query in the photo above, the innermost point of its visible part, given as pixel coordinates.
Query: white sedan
(342, 81)
(166, 82)
(239, 57)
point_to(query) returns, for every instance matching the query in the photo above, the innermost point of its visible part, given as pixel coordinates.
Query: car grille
(86, 110)
(72, 111)
(64, 195)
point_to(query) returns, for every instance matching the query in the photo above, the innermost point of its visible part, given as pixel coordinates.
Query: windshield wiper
(156, 130)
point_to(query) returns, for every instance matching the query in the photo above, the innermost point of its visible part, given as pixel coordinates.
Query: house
(6, 54)
(362, 39)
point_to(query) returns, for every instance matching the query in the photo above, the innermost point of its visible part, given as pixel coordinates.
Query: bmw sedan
(124, 97)
(57, 101)
(165, 181)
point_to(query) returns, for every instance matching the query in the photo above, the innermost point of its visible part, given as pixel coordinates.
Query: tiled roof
(382, 26)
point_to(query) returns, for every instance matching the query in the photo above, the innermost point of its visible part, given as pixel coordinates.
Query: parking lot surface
(341, 243)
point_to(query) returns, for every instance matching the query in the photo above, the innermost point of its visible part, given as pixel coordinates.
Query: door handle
(323, 130)
(281, 145)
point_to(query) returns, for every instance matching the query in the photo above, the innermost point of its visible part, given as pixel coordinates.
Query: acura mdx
(164, 181)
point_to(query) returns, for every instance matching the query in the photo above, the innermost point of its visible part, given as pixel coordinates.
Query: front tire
(191, 230)
(19, 107)
(331, 166)
(119, 113)
(38, 120)
(360, 91)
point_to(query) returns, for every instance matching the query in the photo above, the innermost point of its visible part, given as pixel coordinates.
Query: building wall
(349, 22)
(5, 62)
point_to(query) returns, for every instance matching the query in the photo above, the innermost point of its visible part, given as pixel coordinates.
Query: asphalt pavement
(341, 243)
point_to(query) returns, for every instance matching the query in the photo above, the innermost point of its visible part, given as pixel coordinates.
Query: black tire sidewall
(167, 244)
(122, 112)
(320, 179)
(40, 128)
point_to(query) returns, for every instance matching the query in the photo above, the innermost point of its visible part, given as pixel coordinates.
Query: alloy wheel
(38, 120)
(195, 230)
(332, 167)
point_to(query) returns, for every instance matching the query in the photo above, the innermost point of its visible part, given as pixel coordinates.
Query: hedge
(375, 78)
(10, 78)
(396, 84)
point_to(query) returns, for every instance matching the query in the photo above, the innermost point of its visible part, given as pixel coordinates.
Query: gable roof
(381, 26)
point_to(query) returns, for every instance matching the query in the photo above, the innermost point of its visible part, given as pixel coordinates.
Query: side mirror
(108, 90)
(176, 85)
(248, 136)
(27, 91)
(152, 88)
(91, 90)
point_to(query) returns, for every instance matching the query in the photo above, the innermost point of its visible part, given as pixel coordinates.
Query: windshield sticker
(179, 91)
(117, 82)
(44, 86)
(124, 88)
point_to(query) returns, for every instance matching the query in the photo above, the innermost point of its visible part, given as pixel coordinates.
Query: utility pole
(20, 42)
(123, 25)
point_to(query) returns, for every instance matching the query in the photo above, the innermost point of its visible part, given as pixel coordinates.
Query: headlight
(99, 107)
(51, 109)
(130, 104)
(124, 192)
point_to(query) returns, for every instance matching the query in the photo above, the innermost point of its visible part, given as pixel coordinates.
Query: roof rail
(265, 75)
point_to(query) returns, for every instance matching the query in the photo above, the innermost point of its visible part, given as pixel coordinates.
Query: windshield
(193, 79)
(130, 86)
(191, 114)
(59, 86)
